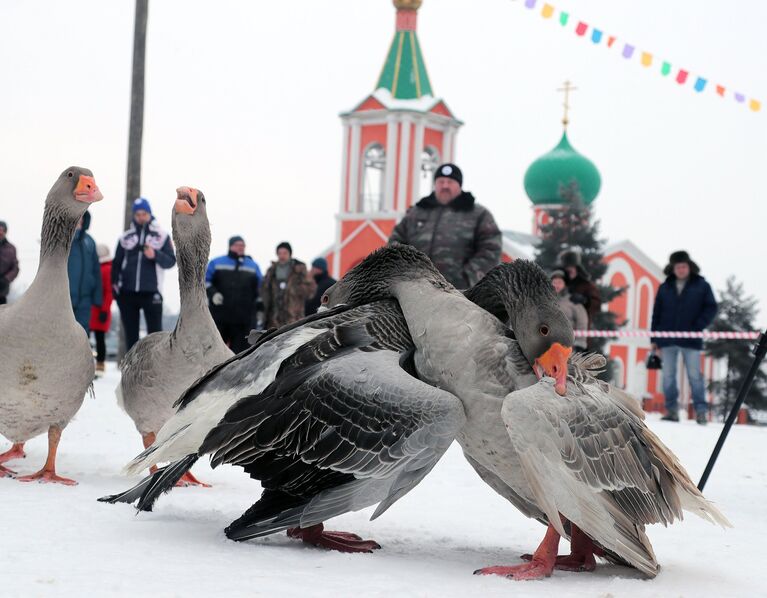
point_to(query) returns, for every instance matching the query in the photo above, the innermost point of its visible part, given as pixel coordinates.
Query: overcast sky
(242, 101)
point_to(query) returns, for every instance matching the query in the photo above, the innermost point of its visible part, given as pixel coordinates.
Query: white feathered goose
(162, 365)
(46, 364)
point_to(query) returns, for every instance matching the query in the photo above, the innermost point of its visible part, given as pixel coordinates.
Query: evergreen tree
(571, 227)
(736, 312)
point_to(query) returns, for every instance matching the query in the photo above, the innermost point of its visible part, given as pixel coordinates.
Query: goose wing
(333, 435)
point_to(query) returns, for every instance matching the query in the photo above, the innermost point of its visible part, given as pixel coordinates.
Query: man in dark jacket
(324, 281)
(85, 288)
(684, 301)
(459, 235)
(582, 290)
(287, 286)
(9, 265)
(143, 252)
(232, 283)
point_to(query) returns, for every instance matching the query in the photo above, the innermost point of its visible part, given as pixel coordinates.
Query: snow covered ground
(58, 541)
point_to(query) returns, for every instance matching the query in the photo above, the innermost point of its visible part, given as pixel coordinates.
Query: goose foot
(541, 565)
(340, 541)
(46, 476)
(581, 557)
(15, 452)
(6, 473)
(189, 480)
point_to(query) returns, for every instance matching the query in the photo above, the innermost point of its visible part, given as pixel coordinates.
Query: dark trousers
(101, 346)
(3, 300)
(131, 305)
(235, 334)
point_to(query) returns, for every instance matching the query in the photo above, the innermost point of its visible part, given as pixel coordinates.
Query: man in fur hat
(582, 290)
(684, 301)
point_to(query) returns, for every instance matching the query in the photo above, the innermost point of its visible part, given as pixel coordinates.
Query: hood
(464, 202)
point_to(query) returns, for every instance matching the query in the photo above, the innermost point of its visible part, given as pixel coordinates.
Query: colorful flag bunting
(646, 59)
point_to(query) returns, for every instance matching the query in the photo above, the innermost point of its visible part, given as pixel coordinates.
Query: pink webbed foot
(332, 540)
(525, 571)
(15, 452)
(46, 476)
(571, 562)
(6, 473)
(189, 480)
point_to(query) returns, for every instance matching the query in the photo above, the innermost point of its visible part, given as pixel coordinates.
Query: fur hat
(569, 258)
(680, 257)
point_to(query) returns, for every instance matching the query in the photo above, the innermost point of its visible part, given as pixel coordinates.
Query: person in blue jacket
(143, 252)
(232, 282)
(84, 274)
(684, 301)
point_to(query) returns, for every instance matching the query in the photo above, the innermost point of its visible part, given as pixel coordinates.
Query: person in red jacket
(101, 315)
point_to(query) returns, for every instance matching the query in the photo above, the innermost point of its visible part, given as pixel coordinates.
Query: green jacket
(461, 238)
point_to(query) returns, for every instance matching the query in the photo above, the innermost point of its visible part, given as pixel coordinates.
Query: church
(396, 137)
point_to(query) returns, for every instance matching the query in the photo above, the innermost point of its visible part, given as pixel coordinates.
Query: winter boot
(701, 418)
(671, 417)
(99, 369)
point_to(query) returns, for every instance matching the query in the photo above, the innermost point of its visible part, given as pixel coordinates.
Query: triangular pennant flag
(610, 41)
(530, 3)
(563, 16)
(596, 36)
(665, 70)
(755, 105)
(547, 11)
(720, 90)
(646, 59)
(580, 28)
(628, 51)
(700, 84)
(739, 97)
(681, 76)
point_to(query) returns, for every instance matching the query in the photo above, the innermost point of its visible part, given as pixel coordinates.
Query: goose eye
(544, 330)
(325, 299)
(70, 174)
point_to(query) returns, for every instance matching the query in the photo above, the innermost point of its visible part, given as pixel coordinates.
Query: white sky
(242, 101)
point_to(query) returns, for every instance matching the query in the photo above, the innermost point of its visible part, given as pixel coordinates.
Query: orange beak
(186, 200)
(554, 363)
(87, 190)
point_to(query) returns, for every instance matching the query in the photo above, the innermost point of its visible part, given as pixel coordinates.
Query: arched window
(429, 163)
(374, 163)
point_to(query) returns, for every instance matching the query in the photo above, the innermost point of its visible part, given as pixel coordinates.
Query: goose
(298, 390)
(161, 365)
(46, 363)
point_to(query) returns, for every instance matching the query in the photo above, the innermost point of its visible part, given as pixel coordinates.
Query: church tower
(393, 140)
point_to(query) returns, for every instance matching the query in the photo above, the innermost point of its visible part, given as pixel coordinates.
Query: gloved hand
(103, 317)
(217, 299)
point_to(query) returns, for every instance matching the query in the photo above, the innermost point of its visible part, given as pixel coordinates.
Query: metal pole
(759, 351)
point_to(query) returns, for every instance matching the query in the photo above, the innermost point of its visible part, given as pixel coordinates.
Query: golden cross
(568, 87)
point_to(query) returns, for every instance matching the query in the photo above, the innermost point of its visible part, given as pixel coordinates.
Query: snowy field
(59, 541)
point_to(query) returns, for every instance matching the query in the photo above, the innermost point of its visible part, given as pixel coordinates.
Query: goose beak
(87, 190)
(186, 200)
(554, 363)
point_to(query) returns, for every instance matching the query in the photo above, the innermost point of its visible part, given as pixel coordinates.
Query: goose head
(191, 231)
(520, 294)
(376, 276)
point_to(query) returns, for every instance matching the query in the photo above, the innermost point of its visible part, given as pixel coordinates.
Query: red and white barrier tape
(668, 334)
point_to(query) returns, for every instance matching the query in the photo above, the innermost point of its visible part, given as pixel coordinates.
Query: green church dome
(558, 168)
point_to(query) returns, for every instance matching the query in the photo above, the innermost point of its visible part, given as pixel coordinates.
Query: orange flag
(720, 90)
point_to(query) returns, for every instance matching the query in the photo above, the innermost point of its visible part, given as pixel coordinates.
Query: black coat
(694, 309)
(237, 278)
(324, 282)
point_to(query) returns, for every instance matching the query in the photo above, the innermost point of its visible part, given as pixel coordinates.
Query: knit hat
(320, 263)
(103, 253)
(3, 225)
(557, 274)
(285, 245)
(450, 171)
(141, 203)
(235, 239)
